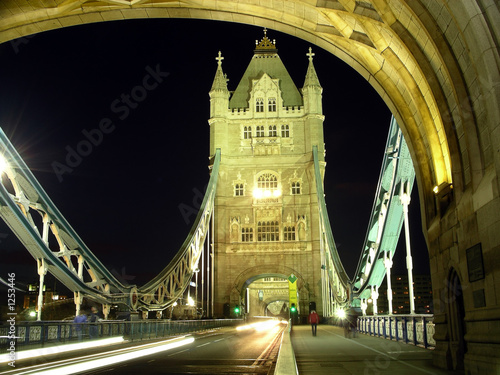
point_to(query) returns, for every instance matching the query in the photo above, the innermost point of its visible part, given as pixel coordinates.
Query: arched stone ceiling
(395, 45)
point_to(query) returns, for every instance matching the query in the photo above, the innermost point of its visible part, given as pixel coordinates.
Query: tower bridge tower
(266, 207)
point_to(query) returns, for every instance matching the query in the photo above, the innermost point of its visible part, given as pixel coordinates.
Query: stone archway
(434, 63)
(250, 275)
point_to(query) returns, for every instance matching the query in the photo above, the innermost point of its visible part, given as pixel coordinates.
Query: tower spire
(311, 76)
(220, 80)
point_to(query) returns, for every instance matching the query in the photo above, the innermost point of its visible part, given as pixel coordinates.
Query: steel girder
(396, 177)
(22, 198)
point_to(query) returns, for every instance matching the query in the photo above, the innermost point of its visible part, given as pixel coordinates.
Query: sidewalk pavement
(330, 353)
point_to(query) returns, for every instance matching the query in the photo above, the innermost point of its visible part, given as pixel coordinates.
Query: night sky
(133, 198)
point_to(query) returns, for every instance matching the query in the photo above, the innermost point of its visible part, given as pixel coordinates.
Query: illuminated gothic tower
(266, 207)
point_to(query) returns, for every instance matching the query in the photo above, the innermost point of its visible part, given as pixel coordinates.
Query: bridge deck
(329, 352)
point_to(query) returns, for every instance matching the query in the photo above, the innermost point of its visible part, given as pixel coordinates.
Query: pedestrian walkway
(330, 353)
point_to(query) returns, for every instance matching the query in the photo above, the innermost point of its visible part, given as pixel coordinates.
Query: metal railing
(45, 333)
(410, 329)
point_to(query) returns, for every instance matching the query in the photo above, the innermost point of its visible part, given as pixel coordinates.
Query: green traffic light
(292, 308)
(236, 310)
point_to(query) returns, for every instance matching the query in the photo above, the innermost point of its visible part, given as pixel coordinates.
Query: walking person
(79, 319)
(94, 318)
(314, 320)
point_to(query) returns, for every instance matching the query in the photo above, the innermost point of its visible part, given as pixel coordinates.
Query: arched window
(289, 233)
(247, 132)
(268, 231)
(295, 187)
(259, 105)
(267, 181)
(260, 131)
(272, 131)
(272, 105)
(285, 131)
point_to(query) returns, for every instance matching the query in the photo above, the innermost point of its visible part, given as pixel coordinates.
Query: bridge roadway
(216, 351)
(228, 351)
(330, 353)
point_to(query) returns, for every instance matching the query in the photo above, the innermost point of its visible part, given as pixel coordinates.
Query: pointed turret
(219, 94)
(219, 105)
(312, 89)
(313, 108)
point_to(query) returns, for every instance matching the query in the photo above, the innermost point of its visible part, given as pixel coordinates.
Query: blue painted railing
(39, 334)
(410, 329)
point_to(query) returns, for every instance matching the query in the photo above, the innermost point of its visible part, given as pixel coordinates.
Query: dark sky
(125, 198)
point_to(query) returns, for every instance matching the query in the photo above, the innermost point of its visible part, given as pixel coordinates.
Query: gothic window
(295, 187)
(267, 181)
(259, 105)
(246, 234)
(260, 131)
(285, 131)
(272, 131)
(272, 105)
(289, 233)
(247, 132)
(239, 190)
(268, 231)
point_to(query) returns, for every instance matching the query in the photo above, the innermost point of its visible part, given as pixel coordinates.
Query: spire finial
(219, 59)
(310, 54)
(265, 45)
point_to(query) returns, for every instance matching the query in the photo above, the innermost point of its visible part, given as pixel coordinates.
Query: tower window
(272, 131)
(246, 234)
(289, 233)
(267, 231)
(285, 131)
(247, 132)
(239, 190)
(272, 105)
(259, 105)
(267, 181)
(295, 188)
(260, 131)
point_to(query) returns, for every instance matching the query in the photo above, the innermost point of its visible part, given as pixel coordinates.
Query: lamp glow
(258, 193)
(340, 313)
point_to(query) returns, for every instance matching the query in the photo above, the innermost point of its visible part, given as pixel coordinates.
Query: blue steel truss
(22, 199)
(386, 220)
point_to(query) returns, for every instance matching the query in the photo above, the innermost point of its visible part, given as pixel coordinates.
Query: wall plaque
(475, 263)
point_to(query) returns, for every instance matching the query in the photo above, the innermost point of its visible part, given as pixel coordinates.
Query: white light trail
(259, 326)
(24, 354)
(80, 366)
